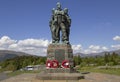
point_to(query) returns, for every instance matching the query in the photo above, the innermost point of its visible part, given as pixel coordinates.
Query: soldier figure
(60, 20)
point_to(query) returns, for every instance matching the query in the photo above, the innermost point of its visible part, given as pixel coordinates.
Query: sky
(24, 25)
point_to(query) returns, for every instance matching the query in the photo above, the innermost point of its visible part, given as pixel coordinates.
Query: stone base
(60, 70)
(36, 80)
(60, 52)
(59, 76)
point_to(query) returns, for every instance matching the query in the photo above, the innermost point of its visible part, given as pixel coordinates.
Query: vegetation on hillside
(109, 63)
(21, 62)
(107, 59)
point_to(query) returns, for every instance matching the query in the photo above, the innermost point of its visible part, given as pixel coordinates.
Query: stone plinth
(60, 70)
(60, 52)
(59, 76)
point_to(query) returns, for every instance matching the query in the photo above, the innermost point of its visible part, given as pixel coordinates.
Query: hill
(97, 54)
(7, 54)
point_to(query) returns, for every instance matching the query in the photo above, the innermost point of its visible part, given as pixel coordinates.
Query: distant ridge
(7, 54)
(97, 54)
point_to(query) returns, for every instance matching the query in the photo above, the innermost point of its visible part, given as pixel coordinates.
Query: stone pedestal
(60, 70)
(60, 52)
(60, 76)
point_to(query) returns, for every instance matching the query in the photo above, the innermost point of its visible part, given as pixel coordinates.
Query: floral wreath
(48, 64)
(65, 64)
(52, 64)
(55, 64)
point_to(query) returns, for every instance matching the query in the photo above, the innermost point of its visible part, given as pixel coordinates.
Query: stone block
(60, 52)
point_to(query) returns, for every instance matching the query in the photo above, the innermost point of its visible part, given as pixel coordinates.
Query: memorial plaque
(60, 55)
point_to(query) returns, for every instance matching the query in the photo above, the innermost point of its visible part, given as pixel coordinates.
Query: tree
(114, 58)
(77, 60)
(106, 57)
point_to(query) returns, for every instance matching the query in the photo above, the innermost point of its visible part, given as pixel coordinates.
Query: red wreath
(65, 64)
(55, 64)
(49, 64)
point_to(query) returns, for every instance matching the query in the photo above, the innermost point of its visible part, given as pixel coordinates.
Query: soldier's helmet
(66, 10)
(53, 10)
(58, 5)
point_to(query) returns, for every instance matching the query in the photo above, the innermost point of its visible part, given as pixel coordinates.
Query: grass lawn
(94, 69)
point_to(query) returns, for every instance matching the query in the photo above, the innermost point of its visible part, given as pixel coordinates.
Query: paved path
(91, 77)
(3, 76)
(21, 78)
(99, 77)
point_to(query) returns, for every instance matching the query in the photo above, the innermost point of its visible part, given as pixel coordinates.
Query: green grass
(21, 72)
(94, 69)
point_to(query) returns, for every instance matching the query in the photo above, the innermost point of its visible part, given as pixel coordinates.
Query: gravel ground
(3, 76)
(91, 77)
(99, 77)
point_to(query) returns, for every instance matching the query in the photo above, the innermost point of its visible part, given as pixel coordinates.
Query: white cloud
(116, 46)
(116, 38)
(39, 46)
(13, 46)
(104, 48)
(77, 48)
(33, 42)
(91, 49)
(5, 41)
(31, 46)
(95, 49)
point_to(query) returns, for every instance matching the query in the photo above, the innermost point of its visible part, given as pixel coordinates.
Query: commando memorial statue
(59, 62)
(60, 21)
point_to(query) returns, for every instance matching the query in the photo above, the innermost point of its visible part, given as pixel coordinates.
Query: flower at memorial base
(65, 64)
(55, 64)
(49, 64)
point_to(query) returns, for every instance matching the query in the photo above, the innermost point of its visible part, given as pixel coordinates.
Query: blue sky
(94, 22)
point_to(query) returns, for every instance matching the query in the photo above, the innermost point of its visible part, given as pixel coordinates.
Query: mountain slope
(6, 54)
(97, 54)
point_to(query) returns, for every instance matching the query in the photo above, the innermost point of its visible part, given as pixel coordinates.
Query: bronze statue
(60, 21)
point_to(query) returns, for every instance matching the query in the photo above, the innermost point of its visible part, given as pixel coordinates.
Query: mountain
(7, 54)
(116, 51)
(97, 54)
